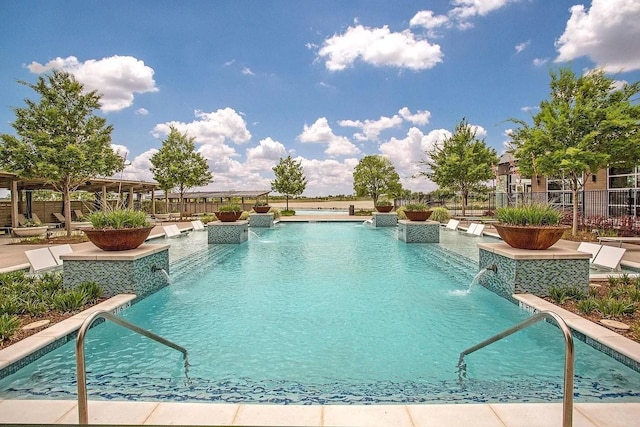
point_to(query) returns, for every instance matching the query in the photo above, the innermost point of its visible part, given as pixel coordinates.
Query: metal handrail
(83, 415)
(567, 400)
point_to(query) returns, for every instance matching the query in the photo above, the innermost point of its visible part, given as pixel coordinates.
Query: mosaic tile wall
(231, 232)
(533, 276)
(140, 276)
(418, 231)
(385, 219)
(261, 220)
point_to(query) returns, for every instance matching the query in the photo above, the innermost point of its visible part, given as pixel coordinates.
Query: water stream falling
(474, 281)
(163, 272)
(254, 235)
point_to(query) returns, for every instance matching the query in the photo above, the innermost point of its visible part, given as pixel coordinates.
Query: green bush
(559, 295)
(92, 290)
(440, 214)
(533, 214)
(587, 306)
(9, 325)
(207, 218)
(70, 300)
(416, 207)
(229, 208)
(289, 212)
(276, 213)
(611, 307)
(118, 218)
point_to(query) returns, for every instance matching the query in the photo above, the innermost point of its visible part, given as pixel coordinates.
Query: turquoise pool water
(325, 313)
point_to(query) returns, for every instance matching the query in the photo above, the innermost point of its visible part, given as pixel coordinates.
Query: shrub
(440, 214)
(416, 207)
(207, 218)
(276, 213)
(9, 325)
(587, 306)
(289, 212)
(559, 295)
(92, 290)
(533, 214)
(229, 208)
(384, 202)
(244, 215)
(610, 307)
(10, 304)
(70, 300)
(118, 218)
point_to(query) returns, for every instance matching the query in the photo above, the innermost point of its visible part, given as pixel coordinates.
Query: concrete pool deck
(154, 413)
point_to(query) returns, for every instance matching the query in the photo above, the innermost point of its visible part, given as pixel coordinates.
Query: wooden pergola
(17, 185)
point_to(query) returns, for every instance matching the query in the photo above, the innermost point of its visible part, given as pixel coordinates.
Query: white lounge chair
(478, 230)
(609, 257)
(40, 259)
(472, 228)
(197, 225)
(453, 224)
(58, 250)
(589, 248)
(173, 231)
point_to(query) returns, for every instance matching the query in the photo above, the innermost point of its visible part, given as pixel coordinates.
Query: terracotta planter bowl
(122, 239)
(418, 215)
(261, 209)
(531, 237)
(384, 209)
(228, 216)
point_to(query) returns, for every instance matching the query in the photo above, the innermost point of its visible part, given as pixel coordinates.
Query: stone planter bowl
(121, 239)
(418, 215)
(384, 209)
(228, 216)
(530, 236)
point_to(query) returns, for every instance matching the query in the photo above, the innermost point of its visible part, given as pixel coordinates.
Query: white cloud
(539, 62)
(421, 117)
(426, 19)
(142, 111)
(321, 132)
(117, 78)
(211, 128)
(379, 47)
(465, 9)
(522, 46)
(407, 153)
(247, 72)
(265, 155)
(371, 129)
(140, 167)
(329, 176)
(607, 33)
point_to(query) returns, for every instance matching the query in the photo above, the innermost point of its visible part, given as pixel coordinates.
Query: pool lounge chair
(58, 250)
(589, 248)
(173, 231)
(197, 225)
(75, 225)
(41, 260)
(79, 215)
(452, 224)
(608, 257)
(475, 229)
(35, 217)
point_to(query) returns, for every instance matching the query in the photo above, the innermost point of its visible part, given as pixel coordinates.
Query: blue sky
(326, 82)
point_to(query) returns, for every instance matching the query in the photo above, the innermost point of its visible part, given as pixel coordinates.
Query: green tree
(60, 140)
(375, 176)
(289, 178)
(587, 124)
(178, 165)
(462, 163)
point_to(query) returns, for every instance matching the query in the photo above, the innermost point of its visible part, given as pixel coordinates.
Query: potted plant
(417, 212)
(118, 229)
(534, 226)
(261, 207)
(31, 228)
(229, 213)
(384, 205)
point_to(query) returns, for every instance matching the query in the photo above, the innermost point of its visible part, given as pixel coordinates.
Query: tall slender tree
(178, 165)
(375, 176)
(289, 178)
(588, 123)
(462, 163)
(60, 139)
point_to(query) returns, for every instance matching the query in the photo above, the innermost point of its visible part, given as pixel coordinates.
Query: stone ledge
(97, 254)
(553, 252)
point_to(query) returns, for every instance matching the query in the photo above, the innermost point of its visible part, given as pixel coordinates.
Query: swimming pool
(325, 313)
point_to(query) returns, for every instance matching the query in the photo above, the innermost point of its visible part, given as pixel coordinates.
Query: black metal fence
(591, 203)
